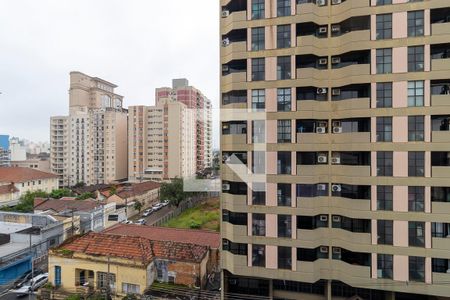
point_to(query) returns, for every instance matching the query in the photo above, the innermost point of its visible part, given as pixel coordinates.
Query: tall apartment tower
(5, 153)
(195, 100)
(161, 141)
(90, 144)
(340, 111)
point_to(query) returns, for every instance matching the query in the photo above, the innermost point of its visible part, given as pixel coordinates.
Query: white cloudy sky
(137, 44)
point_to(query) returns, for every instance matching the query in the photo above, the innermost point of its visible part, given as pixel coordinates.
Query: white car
(128, 222)
(165, 202)
(141, 222)
(35, 283)
(147, 212)
(157, 206)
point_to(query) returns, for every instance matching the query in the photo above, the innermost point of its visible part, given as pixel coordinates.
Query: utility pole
(32, 267)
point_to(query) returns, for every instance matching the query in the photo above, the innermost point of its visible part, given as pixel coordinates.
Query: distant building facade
(5, 156)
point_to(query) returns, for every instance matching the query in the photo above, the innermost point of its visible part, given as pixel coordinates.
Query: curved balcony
(350, 41)
(440, 64)
(231, 142)
(351, 138)
(440, 136)
(440, 172)
(350, 104)
(232, 262)
(338, 237)
(234, 202)
(350, 171)
(440, 100)
(233, 232)
(312, 138)
(235, 50)
(235, 20)
(233, 78)
(313, 105)
(440, 29)
(333, 269)
(313, 170)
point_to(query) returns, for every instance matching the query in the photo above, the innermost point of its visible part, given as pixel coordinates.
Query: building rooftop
(64, 204)
(198, 237)
(7, 189)
(127, 191)
(18, 174)
(9, 227)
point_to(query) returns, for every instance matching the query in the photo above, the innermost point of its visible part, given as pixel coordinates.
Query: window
(283, 67)
(384, 94)
(284, 194)
(284, 162)
(283, 36)
(258, 38)
(234, 218)
(284, 99)
(416, 128)
(385, 232)
(258, 131)
(284, 226)
(384, 27)
(416, 164)
(385, 266)
(439, 265)
(384, 197)
(416, 234)
(128, 288)
(384, 163)
(415, 93)
(384, 129)
(258, 255)
(258, 9)
(258, 69)
(384, 61)
(416, 268)
(259, 162)
(283, 8)
(258, 99)
(57, 276)
(284, 131)
(258, 224)
(284, 258)
(440, 159)
(383, 2)
(104, 280)
(415, 23)
(235, 248)
(259, 193)
(440, 230)
(416, 59)
(312, 190)
(416, 198)
(440, 194)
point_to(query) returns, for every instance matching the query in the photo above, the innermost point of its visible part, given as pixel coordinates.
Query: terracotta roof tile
(7, 189)
(59, 205)
(17, 174)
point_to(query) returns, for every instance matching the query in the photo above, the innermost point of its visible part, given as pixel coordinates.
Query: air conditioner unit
(322, 91)
(321, 130)
(337, 129)
(335, 92)
(225, 187)
(225, 42)
(336, 250)
(322, 158)
(336, 188)
(225, 68)
(337, 124)
(323, 61)
(335, 28)
(323, 29)
(321, 2)
(323, 218)
(335, 2)
(323, 249)
(321, 187)
(336, 160)
(336, 219)
(225, 13)
(335, 60)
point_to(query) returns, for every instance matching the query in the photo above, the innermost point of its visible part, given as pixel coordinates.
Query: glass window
(384, 61)
(416, 268)
(283, 8)
(416, 198)
(384, 94)
(258, 38)
(283, 67)
(259, 193)
(440, 194)
(129, 288)
(384, 163)
(439, 265)
(284, 192)
(384, 129)
(384, 197)
(284, 162)
(416, 128)
(284, 258)
(384, 2)
(235, 248)
(385, 232)
(258, 131)
(385, 266)
(416, 234)
(384, 26)
(258, 99)
(258, 69)
(258, 255)
(415, 23)
(259, 162)
(284, 131)
(284, 99)
(284, 226)
(416, 58)
(258, 9)
(416, 163)
(415, 93)
(259, 224)
(283, 36)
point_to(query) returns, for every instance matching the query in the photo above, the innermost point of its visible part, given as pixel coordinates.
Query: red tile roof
(17, 174)
(8, 189)
(59, 205)
(135, 248)
(197, 237)
(127, 191)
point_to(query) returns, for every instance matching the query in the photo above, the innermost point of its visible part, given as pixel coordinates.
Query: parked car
(147, 212)
(157, 206)
(165, 202)
(128, 222)
(141, 222)
(26, 277)
(34, 284)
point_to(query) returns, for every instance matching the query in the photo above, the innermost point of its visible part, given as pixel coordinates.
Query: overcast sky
(137, 44)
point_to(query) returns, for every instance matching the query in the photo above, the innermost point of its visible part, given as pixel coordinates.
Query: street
(12, 296)
(155, 216)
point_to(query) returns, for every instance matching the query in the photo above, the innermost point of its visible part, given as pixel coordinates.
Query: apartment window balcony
(235, 97)
(440, 164)
(234, 42)
(235, 71)
(312, 222)
(352, 258)
(351, 131)
(440, 93)
(349, 25)
(440, 126)
(352, 225)
(311, 255)
(440, 21)
(312, 131)
(352, 63)
(355, 96)
(440, 56)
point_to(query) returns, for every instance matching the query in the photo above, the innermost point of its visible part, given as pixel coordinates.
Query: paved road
(12, 296)
(155, 216)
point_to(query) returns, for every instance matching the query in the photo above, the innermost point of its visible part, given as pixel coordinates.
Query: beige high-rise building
(341, 116)
(161, 141)
(90, 144)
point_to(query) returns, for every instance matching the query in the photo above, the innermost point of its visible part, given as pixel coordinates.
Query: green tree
(173, 191)
(85, 196)
(137, 206)
(26, 202)
(58, 194)
(79, 184)
(113, 190)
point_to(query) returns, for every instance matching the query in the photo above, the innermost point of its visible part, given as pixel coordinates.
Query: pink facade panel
(400, 233)
(271, 257)
(271, 225)
(400, 129)
(270, 38)
(400, 161)
(271, 194)
(400, 25)
(401, 268)
(400, 60)
(271, 126)
(400, 94)
(271, 100)
(400, 198)
(271, 68)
